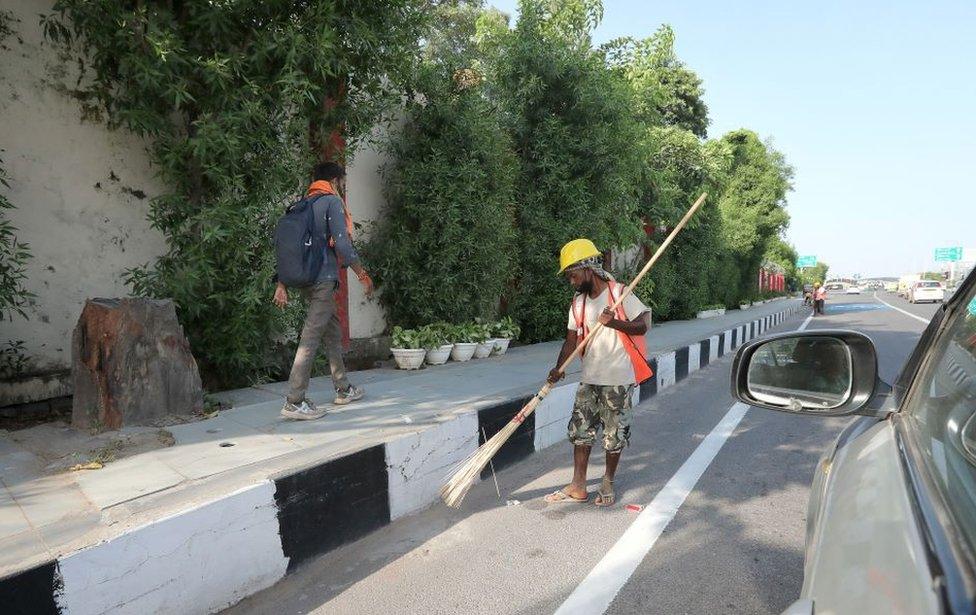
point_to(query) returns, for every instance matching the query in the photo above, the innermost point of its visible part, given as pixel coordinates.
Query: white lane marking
(916, 317)
(611, 573)
(601, 586)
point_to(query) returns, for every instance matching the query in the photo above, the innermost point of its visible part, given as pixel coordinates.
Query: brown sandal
(561, 497)
(605, 496)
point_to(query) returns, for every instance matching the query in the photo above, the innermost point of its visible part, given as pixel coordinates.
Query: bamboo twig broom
(458, 485)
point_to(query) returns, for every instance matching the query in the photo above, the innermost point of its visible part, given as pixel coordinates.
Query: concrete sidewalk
(242, 498)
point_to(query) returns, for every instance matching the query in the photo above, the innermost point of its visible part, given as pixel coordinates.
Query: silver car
(891, 525)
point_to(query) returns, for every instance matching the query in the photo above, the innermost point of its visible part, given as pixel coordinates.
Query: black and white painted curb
(211, 556)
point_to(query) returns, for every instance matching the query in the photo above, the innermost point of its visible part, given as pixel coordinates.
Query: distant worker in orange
(819, 298)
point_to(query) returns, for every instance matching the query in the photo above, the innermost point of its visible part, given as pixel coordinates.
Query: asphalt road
(735, 544)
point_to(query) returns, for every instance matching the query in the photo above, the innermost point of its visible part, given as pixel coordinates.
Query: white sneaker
(349, 395)
(305, 411)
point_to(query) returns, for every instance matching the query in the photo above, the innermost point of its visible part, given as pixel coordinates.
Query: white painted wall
(552, 415)
(365, 201)
(666, 375)
(84, 227)
(694, 357)
(419, 463)
(196, 561)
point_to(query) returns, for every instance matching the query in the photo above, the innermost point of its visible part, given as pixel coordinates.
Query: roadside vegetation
(508, 139)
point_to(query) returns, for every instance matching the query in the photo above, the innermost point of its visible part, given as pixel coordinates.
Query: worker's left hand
(606, 317)
(280, 296)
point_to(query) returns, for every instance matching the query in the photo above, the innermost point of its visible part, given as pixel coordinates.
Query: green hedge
(444, 248)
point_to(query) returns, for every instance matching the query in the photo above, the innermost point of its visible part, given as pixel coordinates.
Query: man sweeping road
(614, 362)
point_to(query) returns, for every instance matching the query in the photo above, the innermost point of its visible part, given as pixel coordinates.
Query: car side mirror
(822, 372)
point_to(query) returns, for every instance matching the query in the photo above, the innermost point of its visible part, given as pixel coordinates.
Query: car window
(929, 284)
(942, 407)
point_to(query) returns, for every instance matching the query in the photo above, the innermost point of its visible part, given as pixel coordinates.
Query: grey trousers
(321, 324)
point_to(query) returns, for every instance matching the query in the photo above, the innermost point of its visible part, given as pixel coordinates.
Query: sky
(872, 103)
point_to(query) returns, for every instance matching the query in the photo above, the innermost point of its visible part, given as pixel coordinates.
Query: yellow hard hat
(575, 251)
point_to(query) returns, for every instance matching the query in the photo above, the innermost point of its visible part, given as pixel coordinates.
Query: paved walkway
(43, 516)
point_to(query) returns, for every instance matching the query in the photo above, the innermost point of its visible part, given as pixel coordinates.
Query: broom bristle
(458, 485)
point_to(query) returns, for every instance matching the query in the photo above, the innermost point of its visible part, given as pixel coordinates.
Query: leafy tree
(444, 249)
(679, 168)
(752, 204)
(666, 91)
(238, 99)
(784, 255)
(811, 275)
(574, 135)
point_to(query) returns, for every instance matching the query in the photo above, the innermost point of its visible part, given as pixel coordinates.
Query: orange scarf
(323, 187)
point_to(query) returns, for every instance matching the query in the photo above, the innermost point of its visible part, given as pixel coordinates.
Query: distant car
(853, 290)
(834, 287)
(926, 290)
(891, 287)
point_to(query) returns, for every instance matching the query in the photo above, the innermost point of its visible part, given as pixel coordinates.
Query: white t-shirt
(606, 362)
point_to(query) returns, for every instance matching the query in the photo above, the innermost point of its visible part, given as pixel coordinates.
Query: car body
(891, 520)
(926, 291)
(835, 286)
(891, 287)
(853, 290)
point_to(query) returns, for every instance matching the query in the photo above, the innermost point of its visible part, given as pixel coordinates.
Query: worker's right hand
(555, 376)
(281, 296)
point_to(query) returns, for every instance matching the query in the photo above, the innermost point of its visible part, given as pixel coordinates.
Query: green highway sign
(806, 261)
(943, 255)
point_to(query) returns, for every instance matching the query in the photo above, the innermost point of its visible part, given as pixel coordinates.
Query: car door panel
(819, 485)
(868, 554)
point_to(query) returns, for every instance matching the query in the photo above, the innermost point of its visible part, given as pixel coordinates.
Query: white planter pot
(711, 313)
(745, 306)
(409, 358)
(463, 351)
(483, 350)
(501, 345)
(439, 356)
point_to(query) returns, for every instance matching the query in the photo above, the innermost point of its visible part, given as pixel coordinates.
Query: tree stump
(131, 365)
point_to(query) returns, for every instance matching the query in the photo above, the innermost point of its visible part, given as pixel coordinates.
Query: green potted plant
(407, 348)
(437, 341)
(481, 333)
(464, 342)
(504, 331)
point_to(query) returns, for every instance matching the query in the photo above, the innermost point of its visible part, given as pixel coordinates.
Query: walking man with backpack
(313, 242)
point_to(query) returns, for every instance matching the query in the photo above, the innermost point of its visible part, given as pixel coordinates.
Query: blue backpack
(299, 249)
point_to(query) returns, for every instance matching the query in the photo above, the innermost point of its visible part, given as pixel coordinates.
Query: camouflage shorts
(606, 406)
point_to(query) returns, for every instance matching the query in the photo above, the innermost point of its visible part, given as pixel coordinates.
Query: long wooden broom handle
(647, 267)
(544, 391)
